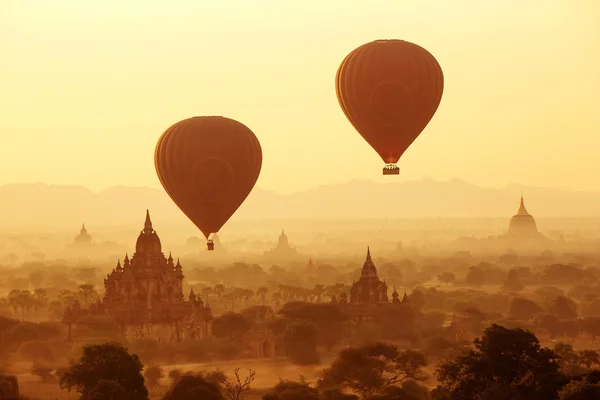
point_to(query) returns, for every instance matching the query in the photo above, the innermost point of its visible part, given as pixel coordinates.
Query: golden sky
(87, 87)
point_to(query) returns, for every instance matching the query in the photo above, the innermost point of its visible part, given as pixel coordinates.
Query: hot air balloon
(389, 91)
(208, 166)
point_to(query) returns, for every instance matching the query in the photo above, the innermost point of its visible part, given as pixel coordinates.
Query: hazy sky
(87, 87)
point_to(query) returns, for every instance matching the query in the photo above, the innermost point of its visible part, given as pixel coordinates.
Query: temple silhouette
(369, 292)
(283, 249)
(144, 295)
(83, 239)
(522, 224)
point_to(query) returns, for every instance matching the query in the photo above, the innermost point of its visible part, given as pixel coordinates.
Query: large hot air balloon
(208, 166)
(389, 90)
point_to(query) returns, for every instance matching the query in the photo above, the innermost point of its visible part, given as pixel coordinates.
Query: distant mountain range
(42, 205)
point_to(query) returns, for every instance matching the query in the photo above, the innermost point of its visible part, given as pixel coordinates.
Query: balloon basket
(210, 246)
(391, 169)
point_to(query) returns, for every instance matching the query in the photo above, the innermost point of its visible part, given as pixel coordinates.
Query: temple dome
(522, 223)
(83, 238)
(148, 242)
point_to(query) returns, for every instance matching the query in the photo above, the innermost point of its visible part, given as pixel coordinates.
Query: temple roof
(522, 223)
(148, 242)
(522, 210)
(368, 269)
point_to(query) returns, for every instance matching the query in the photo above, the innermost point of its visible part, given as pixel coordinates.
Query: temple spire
(148, 223)
(522, 209)
(83, 230)
(368, 253)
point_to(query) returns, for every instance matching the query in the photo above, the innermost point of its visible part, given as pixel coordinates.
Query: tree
(40, 299)
(193, 387)
(371, 369)
(523, 309)
(230, 325)
(206, 292)
(551, 323)
(290, 390)
(475, 276)
(328, 318)
(9, 387)
(87, 293)
(153, 375)
(175, 375)
(505, 362)
(589, 358)
(20, 300)
(109, 361)
(512, 283)
(564, 308)
(300, 343)
(235, 388)
(579, 390)
(36, 278)
(106, 390)
(447, 277)
(262, 293)
(410, 390)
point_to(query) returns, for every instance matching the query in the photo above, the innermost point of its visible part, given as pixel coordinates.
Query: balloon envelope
(208, 166)
(389, 91)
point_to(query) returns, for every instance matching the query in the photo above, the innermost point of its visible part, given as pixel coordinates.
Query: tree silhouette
(523, 309)
(193, 387)
(236, 387)
(290, 390)
(564, 308)
(580, 390)
(300, 343)
(153, 375)
(508, 363)
(371, 369)
(589, 358)
(107, 390)
(109, 361)
(230, 325)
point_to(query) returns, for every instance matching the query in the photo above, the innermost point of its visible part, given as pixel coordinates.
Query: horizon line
(519, 186)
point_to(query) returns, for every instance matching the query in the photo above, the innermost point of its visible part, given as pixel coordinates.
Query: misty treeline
(451, 301)
(505, 364)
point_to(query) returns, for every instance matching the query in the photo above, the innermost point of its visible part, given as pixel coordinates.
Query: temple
(522, 223)
(283, 248)
(83, 239)
(369, 291)
(144, 295)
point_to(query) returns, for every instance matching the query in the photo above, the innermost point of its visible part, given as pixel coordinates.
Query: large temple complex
(522, 235)
(369, 291)
(144, 295)
(283, 250)
(522, 224)
(83, 239)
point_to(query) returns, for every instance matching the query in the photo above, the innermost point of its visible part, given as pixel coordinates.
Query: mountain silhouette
(42, 205)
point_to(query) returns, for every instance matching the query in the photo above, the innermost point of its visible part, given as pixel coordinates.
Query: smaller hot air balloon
(389, 91)
(208, 166)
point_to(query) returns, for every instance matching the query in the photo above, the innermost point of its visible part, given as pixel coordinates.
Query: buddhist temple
(144, 295)
(83, 239)
(283, 250)
(369, 289)
(522, 236)
(522, 223)
(260, 339)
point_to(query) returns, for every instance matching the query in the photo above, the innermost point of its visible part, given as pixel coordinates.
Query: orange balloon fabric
(208, 166)
(389, 91)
